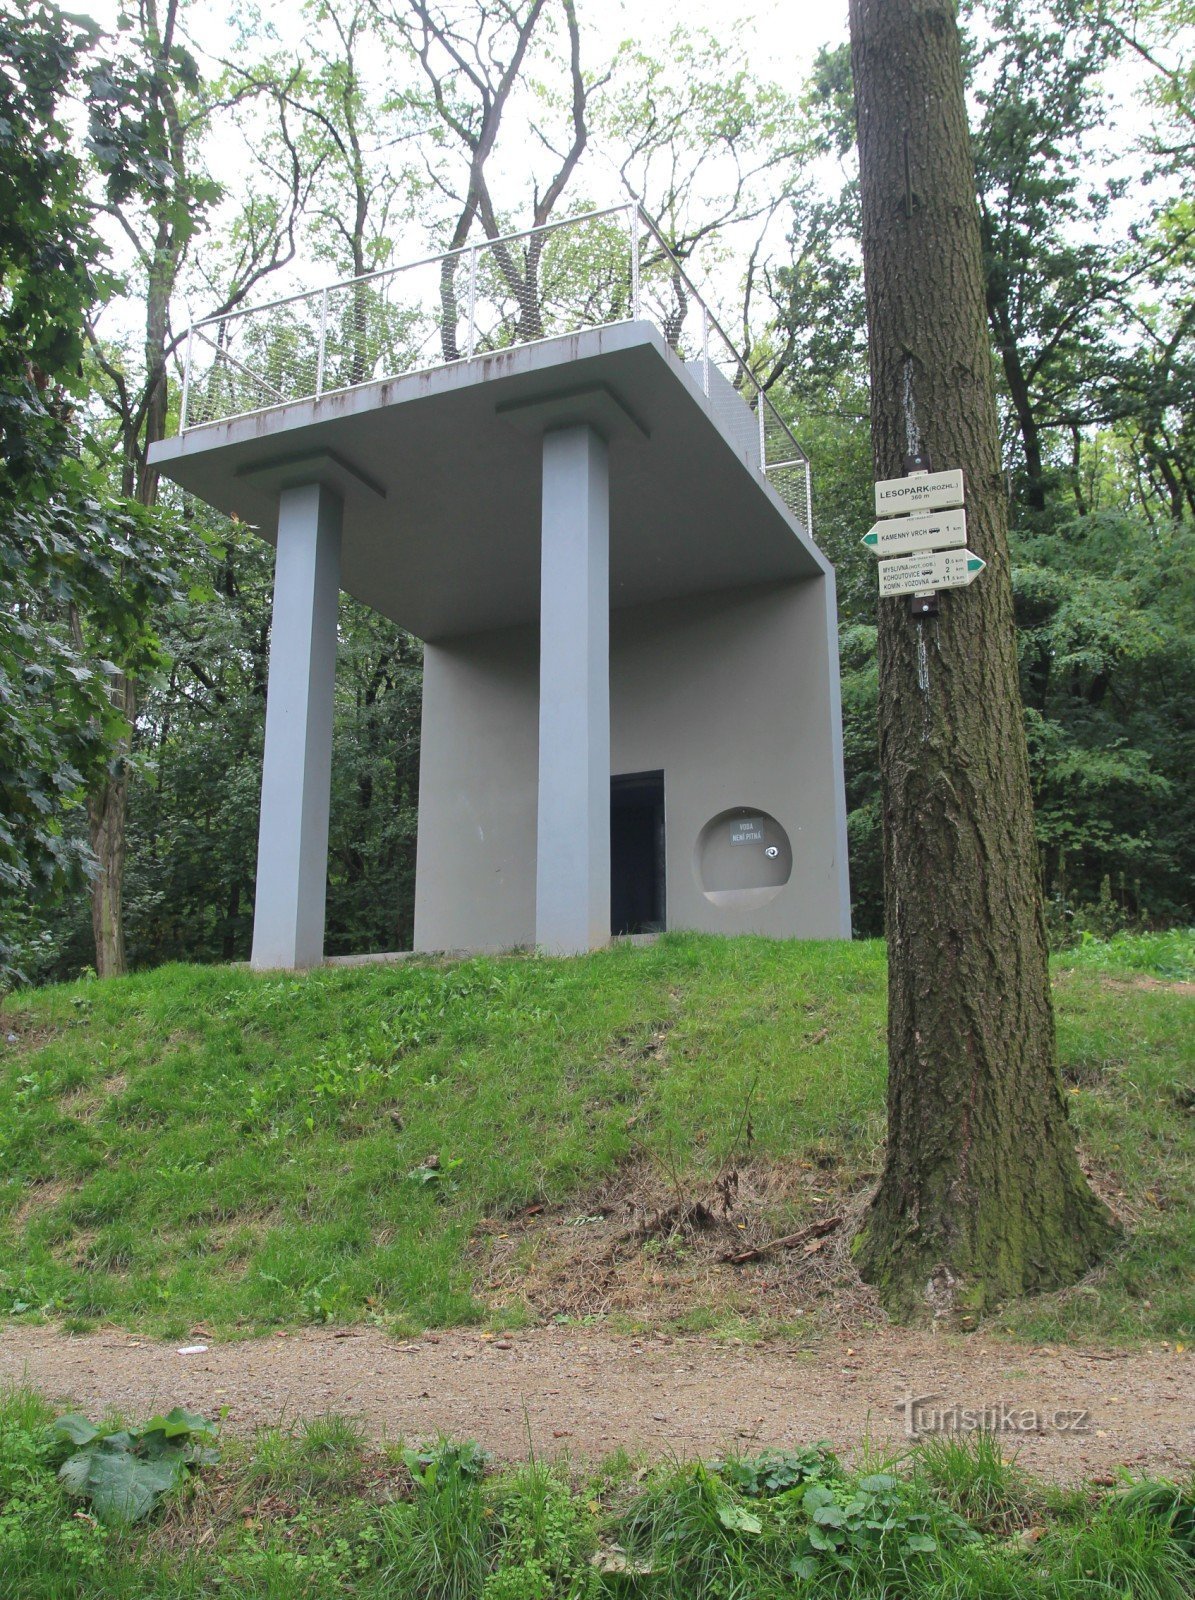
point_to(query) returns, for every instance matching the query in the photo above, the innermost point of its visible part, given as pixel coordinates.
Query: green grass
(202, 1144)
(321, 1513)
(1126, 1044)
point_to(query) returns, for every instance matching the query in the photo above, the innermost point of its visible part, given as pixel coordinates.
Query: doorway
(637, 895)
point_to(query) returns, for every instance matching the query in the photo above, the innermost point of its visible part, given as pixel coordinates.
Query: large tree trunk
(981, 1196)
(107, 806)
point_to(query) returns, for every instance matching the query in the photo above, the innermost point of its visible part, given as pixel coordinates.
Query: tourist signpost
(924, 527)
(920, 491)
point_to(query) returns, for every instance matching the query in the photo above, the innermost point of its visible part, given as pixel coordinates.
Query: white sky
(781, 37)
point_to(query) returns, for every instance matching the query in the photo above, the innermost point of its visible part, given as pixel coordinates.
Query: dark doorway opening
(637, 903)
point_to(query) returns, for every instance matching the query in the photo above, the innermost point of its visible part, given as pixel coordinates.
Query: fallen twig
(815, 1230)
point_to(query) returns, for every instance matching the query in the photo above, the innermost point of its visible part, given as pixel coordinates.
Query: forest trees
(1087, 263)
(149, 113)
(73, 559)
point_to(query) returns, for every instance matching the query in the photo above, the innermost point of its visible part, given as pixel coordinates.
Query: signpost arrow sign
(944, 569)
(932, 530)
(920, 491)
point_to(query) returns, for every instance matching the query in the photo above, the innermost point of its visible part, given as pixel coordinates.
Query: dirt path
(588, 1392)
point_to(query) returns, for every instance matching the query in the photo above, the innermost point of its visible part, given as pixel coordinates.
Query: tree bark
(107, 807)
(982, 1196)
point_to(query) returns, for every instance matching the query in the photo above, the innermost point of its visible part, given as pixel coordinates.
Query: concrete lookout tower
(542, 457)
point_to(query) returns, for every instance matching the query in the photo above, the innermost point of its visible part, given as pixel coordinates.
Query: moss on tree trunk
(982, 1197)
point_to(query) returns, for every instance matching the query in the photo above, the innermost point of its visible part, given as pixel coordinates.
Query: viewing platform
(542, 456)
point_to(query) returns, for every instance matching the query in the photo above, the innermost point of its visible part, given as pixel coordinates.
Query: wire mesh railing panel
(505, 310)
(666, 298)
(588, 272)
(732, 398)
(391, 323)
(553, 281)
(785, 463)
(585, 276)
(733, 394)
(791, 483)
(241, 364)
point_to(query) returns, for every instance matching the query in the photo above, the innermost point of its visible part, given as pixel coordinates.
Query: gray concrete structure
(608, 588)
(572, 879)
(292, 848)
(732, 695)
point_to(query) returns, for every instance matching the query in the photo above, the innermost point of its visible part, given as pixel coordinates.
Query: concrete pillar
(572, 886)
(830, 743)
(292, 841)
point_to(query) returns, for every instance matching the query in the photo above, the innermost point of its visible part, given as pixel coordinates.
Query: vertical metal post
(705, 348)
(186, 401)
(760, 403)
(323, 344)
(808, 502)
(471, 339)
(635, 262)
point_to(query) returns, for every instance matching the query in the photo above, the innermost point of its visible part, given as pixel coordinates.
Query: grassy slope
(203, 1144)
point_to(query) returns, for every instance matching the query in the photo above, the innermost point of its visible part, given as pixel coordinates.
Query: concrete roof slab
(442, 494)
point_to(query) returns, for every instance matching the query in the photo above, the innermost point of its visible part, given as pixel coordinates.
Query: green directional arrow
(924, 530)
(929, 569)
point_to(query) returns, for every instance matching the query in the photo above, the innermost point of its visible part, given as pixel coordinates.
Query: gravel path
(587, 1392)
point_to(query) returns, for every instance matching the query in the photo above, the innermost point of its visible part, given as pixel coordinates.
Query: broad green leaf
(75, 1471)
(121, 1487)
(74, 1429)
(178, 1431)
(177, 1422)
(738, 1518)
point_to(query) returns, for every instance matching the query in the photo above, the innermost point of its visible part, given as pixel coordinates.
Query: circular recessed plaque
(742, 858)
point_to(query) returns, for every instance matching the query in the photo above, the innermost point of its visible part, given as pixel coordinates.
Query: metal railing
(588, 271)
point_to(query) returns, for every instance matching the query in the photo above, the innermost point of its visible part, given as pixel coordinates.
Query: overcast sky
(781, 36)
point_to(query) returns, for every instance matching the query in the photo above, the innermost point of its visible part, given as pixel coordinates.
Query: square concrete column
(572, 886)
(292, 841)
